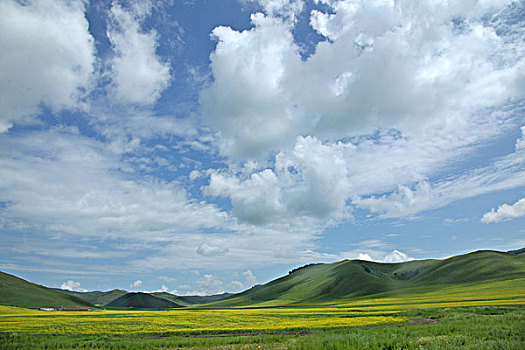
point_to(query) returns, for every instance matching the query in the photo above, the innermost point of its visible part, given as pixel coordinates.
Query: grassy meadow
(480, 316)
(473, 301)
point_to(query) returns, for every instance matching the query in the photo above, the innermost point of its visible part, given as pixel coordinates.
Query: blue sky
(198, 147)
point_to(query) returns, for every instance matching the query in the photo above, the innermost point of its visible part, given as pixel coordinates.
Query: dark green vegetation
(16, 291)
(466, 328)
(356, 278)
(141, 301)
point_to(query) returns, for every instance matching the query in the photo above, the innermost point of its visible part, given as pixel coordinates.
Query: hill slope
(141, 301)
(104, 298)
(96, 297)
(19, 292)
(192, 299)
(354, 278)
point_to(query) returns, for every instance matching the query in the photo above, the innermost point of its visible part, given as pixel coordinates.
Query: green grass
(16, 291)
(465, 328)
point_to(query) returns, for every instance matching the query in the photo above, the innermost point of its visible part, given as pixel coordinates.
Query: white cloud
(195, 174)
(309, 181)
(210, 284)
(162, 289)
(505, 173)
(138, 75)
(520, 143)
(63, 182)
(396, 257)
(249, 279)
(47, 57)
(372, 253)
(371, 243)
(376, 250)
(414, 121)
(256, 199)
(72, 286)
(167, 279)
(505, 212)
(288, 9)
(263, 95)
(365, 257)
(250, 111)
(208, 249)
(455, 220)
(78, 187)
(235, 286)
(136, 284)
(91, 253)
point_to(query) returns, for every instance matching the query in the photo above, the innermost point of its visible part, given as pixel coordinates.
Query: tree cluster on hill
(301, 267)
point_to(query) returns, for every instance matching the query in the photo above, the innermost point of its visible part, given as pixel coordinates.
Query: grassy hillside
(96, 297)
(141, 301)
(313, 283)
(192, 299)
(355, 278)
(104, 298)
(16, 291)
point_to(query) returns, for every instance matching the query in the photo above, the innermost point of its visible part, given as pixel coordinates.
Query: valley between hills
(475, 300)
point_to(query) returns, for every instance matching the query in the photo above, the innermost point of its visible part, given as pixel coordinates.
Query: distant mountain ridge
(189, 300)
(103, 299)
(310, 283)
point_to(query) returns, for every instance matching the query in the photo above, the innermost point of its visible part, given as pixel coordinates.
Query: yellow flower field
(356, 312)
(182, 321)
(190, 321)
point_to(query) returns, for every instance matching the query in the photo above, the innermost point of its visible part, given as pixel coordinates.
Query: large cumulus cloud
(47, 56)
(417, 85)
(384, 65)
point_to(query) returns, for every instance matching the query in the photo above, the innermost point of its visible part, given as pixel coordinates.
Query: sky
(200, 147)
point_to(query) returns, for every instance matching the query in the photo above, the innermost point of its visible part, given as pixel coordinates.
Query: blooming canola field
(184, 321)
(364, 312)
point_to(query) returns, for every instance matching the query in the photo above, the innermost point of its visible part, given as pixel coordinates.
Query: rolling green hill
(104, 298)
(192, 299)
(355, 278)
(141, 301)
(19, 292)
(96, 297)
(311, 283)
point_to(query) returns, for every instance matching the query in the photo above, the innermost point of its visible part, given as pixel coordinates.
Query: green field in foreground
(482, 316)
(480, 327)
